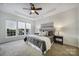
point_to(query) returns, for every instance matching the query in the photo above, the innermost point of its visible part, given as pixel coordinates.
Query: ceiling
(48, 9)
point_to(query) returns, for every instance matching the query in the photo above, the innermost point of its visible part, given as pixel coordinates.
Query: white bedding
(46, 39)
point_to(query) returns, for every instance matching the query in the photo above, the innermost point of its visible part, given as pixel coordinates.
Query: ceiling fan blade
(37, 13)
(31, 4)
(38, 8)
(26, 8)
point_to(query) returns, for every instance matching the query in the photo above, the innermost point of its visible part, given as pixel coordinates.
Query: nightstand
(58, 39)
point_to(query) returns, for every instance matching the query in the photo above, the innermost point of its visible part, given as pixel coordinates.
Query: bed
(41, 43)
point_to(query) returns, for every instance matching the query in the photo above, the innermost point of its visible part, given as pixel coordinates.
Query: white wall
(67, 21)
(5, 16)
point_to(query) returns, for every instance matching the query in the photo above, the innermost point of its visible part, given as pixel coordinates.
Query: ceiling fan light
(32, 11)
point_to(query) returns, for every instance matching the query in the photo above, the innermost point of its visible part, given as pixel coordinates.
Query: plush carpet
(18, 48)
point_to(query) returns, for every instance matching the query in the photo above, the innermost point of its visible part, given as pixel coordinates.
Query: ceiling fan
(33, 9)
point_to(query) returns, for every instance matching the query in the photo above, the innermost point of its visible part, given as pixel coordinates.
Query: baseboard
(71, 45)
(9, 41)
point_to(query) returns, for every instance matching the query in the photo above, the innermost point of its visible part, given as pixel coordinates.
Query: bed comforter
(44, 40)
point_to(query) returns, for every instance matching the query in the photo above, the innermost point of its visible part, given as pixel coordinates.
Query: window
(21, 27)
(28, 28)
(11, 27)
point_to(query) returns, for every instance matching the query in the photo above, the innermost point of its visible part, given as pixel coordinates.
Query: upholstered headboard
(49, 27)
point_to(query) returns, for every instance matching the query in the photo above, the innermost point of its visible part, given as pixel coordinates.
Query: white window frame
(6, 29)
(18, 28)
(28, 28)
